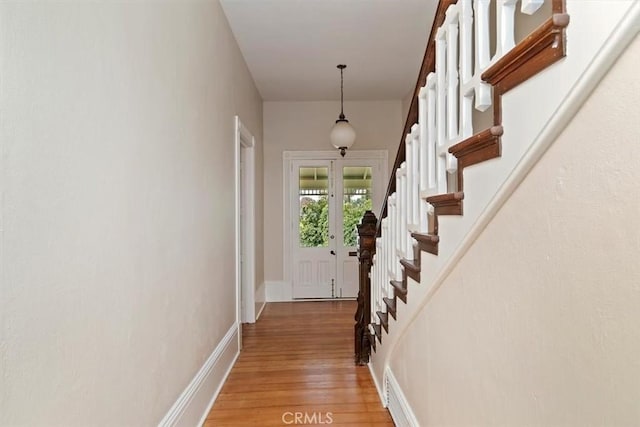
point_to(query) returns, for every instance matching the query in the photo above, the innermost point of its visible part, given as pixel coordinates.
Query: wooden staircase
(541, 48)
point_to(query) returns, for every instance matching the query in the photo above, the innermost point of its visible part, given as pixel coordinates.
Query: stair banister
(458, 76)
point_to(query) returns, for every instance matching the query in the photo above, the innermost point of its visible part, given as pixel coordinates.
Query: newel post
(366, 249)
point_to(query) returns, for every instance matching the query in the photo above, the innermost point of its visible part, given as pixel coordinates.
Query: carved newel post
(366, 249)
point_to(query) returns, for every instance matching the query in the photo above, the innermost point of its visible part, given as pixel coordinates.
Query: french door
(328, 198)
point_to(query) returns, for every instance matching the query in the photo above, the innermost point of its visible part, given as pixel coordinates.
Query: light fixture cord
(341, 95)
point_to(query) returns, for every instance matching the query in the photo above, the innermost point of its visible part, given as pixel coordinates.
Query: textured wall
(305, 126)
(117, 229)
(538, 322)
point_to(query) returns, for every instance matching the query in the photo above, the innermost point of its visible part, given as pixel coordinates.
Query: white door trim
(245, 224)
(287, 158)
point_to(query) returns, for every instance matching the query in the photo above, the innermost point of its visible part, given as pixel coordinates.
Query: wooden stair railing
(366, 250)
(414, 200)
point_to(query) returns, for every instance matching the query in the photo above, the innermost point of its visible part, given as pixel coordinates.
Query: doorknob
(333, 252)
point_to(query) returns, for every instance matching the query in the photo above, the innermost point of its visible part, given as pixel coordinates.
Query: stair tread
(411, 268)
(378, 330)
(446, 198)
(476, 142)
(399, 285)
(384, 319)
(447, 204)
(410, 264)
(391, 306)
(399, 290)
(427, 242)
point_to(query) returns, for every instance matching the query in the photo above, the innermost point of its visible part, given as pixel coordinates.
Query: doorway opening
(245, 223)
(327, 196)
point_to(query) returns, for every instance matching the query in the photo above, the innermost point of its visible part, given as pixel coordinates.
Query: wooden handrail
(428, 66)
(382, 284)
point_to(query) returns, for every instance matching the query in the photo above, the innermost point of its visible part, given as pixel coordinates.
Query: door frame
(244, 147)
(287, 164)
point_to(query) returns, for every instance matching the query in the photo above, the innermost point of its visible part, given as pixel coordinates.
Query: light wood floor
(298, 358)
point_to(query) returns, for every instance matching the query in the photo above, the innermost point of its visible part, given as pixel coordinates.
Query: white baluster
(441, 116)
(393, 244)
(406, 236)
(506, 27)
(395, 263)
(452, 73)
(409, 182)
(466, 68)
(466, 40)
(425, 169)
(398, 227)
(483, 48)
(403, 210)
(482, 53)
(530, 6)
(379, 264)
(432, 134)
(384, 265)
(373, 276)
(414, 174)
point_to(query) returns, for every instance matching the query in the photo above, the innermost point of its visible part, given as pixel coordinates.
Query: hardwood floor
(297, 368)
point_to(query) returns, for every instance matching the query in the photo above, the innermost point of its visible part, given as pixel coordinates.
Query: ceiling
(292, 47)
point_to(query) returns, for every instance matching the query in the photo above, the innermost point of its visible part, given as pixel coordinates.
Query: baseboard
(397, 403)
(261, 299)
(278, 291)
(381, 392)
(196, 400)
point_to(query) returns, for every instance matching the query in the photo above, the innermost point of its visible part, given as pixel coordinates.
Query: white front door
(328, 198)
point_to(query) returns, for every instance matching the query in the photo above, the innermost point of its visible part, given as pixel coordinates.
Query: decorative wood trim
(400, 289)
(391, 306)
(411, 269)
(447, 204)
(366, 250)
(540, 49)
(478, 148)
(427, 242)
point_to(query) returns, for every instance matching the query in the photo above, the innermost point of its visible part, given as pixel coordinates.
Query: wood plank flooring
(296, 368)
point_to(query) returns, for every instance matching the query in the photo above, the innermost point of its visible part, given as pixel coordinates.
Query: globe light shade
(342, 135)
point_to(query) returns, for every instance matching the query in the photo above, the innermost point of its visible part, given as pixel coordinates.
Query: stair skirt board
(397, 403)
(195, 402)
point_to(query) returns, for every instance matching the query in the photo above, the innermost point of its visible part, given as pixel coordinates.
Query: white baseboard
(260, 308)
(196, 400)
(381, 392)
(261, 299)
(397, 403)
(278, 291)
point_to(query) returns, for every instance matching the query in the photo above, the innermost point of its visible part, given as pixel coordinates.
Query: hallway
(296, 368)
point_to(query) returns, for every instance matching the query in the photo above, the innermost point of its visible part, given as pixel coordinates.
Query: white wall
(117, 220)
(538, 322)
(305, 126)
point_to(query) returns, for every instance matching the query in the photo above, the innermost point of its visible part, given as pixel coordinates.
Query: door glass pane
(313, 185)
(356, 199)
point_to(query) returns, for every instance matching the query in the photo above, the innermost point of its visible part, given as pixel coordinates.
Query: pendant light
(342, 134)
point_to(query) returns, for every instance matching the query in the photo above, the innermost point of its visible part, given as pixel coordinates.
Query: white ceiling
(292, 47)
